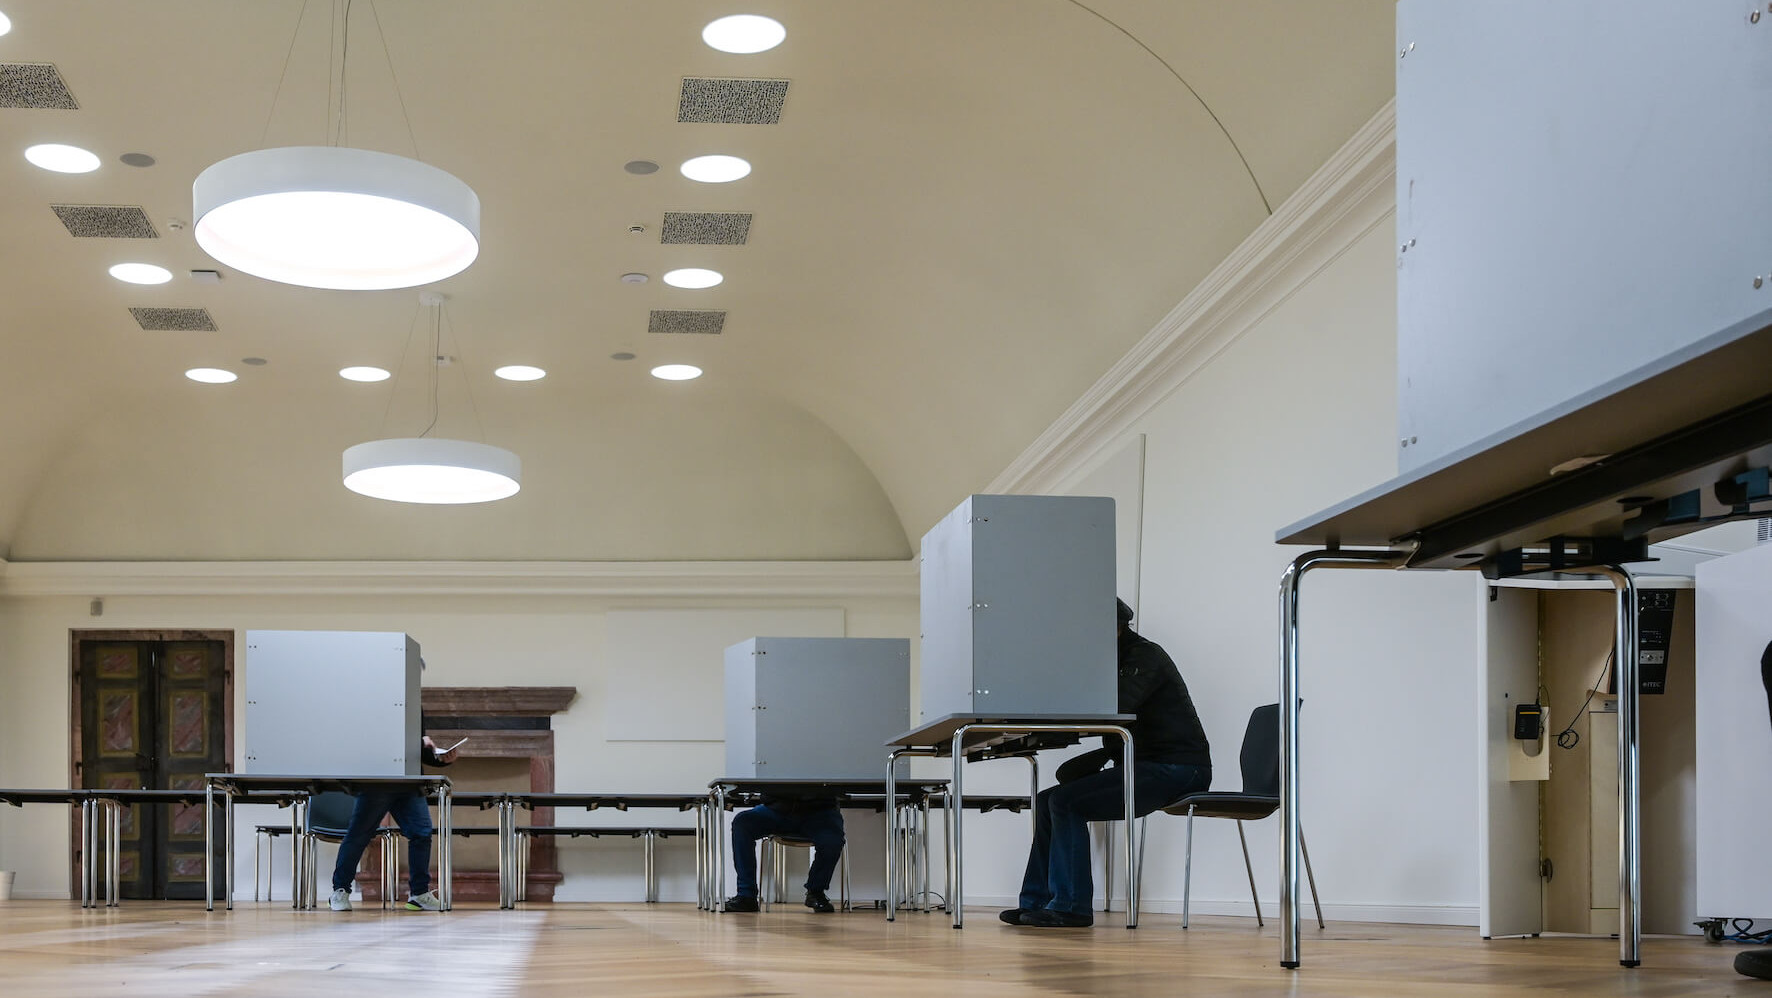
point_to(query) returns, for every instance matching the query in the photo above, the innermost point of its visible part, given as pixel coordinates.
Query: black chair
(1259, 798)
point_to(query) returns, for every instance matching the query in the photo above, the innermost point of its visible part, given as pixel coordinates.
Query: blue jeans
(1058, 874)
(413, 816)
(824, 829)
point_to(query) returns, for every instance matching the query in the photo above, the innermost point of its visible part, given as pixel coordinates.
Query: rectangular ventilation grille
(34, 84)
(732, 102)
(105, 221)
(706, 228)
(183, 320)
(686, 320)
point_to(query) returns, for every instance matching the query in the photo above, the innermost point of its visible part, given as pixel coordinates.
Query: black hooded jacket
(1167, 729)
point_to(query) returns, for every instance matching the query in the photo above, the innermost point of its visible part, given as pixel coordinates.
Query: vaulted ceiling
(968, 211)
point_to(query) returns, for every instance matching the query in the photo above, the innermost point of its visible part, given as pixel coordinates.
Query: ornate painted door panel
(153, 716)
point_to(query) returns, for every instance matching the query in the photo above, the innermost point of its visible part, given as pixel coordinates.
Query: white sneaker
(341, 900)
(428, 901)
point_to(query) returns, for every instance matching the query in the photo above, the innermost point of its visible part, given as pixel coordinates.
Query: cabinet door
(1508, 882)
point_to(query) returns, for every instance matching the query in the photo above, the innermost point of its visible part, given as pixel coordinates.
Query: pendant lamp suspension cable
(461, 359)
(436, 364)
(338, 55)
(400, 369)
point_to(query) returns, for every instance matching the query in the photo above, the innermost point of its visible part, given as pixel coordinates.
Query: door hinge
(1545, 871)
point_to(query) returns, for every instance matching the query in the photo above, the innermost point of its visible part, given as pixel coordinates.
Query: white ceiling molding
(1344, 199)
(694, 580)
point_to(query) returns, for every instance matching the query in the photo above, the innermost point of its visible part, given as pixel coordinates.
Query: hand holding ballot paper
(441, 757)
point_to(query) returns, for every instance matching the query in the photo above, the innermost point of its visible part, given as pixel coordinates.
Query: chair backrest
(330, 813)
(1261, 752)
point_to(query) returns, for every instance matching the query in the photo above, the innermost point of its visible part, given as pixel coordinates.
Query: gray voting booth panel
(1581, 194)
(1018, 608)
(815, 708)
(335, 703)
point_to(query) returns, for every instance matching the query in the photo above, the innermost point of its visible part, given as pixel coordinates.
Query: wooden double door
(153, 712)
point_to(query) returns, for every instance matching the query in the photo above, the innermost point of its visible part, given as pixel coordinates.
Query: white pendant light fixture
(330, 216)
(432, 470)
(420, 470)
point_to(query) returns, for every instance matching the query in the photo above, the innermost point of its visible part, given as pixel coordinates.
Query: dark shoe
(1754, 963)
(819, 903)
(1011, 916)
(741, 902)
(1049, 918)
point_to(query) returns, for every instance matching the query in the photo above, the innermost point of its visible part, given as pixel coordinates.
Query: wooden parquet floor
(147, 950)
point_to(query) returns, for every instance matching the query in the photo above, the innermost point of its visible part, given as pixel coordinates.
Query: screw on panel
(1404, 54)
(1757, 282)
(979, 606)
(1754, 18)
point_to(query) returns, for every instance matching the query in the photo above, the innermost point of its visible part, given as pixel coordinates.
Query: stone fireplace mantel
(501, 724)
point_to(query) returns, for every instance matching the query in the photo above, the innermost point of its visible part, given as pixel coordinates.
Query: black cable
(1568, 738)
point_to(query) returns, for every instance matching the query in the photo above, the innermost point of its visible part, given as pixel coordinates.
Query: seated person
(1170, 759)
(413, 815)
(813, 818)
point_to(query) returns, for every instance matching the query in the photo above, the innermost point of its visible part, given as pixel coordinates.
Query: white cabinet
(332, 703)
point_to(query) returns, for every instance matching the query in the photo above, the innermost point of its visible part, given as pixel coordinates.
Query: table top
(939, 732)
(1681, 424)
(18, 798)
(618, 801)
(850, 794)
(292, 783)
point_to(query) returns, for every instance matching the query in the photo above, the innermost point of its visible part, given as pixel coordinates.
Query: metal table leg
(1289, 796)
(298, 863)
(957, 900)
(446, 855)
(113, 853)
(651, 845)
(1630, 872)
(947, 849)
(86, 853)
(892, 836)
(228, 845)
(1107, 867)
(208, 846)
(1131, 830)
(719, 845)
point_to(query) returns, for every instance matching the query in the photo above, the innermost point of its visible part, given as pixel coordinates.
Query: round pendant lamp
(337, 218)
(433, 471)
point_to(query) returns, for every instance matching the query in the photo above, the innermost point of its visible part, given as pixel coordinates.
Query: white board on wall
(1120, 477)
(1734, 735)
(666, 668)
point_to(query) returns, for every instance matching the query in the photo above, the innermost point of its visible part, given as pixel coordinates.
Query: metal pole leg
(228, 848)
(208, 846)
(1107, 866)
(947, 849)
(1630, 871)
(957, 899)
(1187, 872)
(1289, 796)
(1250, 869)
(86, 853)
(651, 866)
(113, 849)
(1308, 875)
(923, 844)
(1131, 829)
(892, 836)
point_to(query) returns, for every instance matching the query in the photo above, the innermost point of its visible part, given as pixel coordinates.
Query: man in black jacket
(1170, 759)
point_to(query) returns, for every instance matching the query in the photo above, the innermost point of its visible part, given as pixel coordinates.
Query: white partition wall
(1541, 146)
(1734, 735)
(815, 708)
(333, 703)
(1018, 607)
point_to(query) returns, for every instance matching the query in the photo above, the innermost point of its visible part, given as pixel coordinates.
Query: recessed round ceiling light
(338, 218)
(141, 273)
(693, 277)
(716, 169)
(633, 278)
(364, 374)
(432, 470)
(744, 34)
(136, 159)
(640, 167)
(254, 361)
(520, 372)
(5, 24)
(211, 375)
(676, 372)
(621, 355)
(62, 159)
